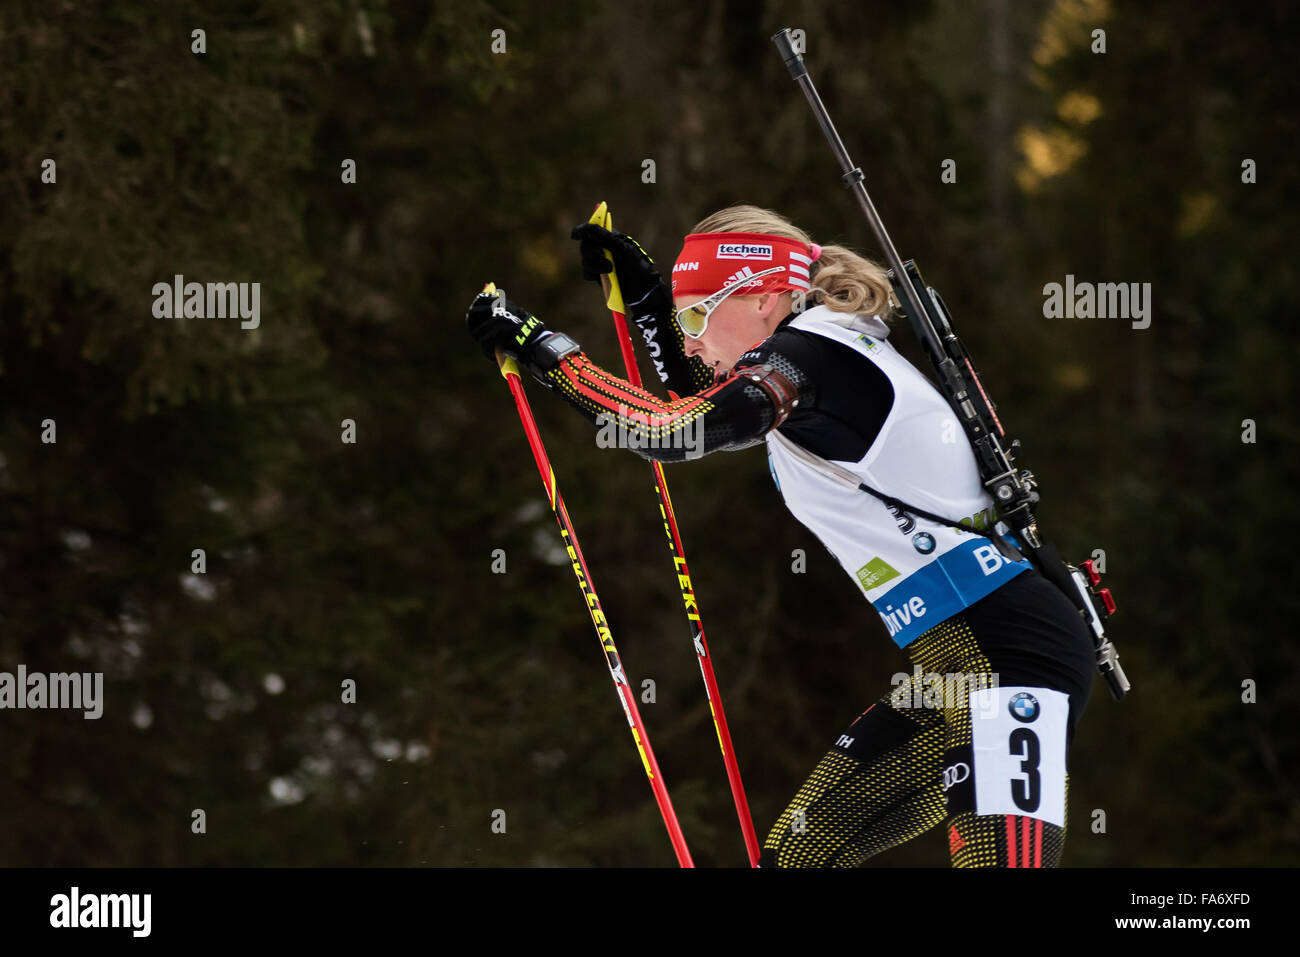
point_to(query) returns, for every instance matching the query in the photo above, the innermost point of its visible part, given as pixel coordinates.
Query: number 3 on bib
(1018, 735)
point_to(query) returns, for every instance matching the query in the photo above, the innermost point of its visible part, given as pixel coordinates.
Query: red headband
(712, 261)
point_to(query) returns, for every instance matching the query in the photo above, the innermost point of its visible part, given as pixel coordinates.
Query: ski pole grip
(793, 61)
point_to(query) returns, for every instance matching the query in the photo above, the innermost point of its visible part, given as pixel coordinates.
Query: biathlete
(765, 336)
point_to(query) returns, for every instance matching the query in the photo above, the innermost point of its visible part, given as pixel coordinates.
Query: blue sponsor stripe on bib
(950, 583)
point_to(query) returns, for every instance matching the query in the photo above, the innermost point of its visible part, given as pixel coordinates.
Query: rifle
(1014, 490)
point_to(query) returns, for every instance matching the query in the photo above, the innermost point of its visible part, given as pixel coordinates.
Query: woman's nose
(691, 346)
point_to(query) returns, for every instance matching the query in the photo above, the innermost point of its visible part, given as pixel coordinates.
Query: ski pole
(614, 299)
(510, 372)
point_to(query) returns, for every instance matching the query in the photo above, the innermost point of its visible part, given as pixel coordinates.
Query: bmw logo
(1023, 707)
(923, 542)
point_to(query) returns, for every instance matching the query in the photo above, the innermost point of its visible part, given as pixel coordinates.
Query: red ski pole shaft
(510, 372)
(614, 299)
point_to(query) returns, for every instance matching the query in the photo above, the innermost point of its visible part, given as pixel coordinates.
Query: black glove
(648, 300)
(644, 292)
(496, 322)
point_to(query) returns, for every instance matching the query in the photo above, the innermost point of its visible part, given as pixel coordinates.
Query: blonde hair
(842, 280)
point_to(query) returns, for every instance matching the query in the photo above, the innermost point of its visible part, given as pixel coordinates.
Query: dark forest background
(372, 561)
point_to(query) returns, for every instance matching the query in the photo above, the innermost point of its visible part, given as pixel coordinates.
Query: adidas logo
(739, 275)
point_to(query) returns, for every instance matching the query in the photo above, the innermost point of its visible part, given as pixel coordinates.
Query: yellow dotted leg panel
(981, 840)
(851, 808)
(882, 783)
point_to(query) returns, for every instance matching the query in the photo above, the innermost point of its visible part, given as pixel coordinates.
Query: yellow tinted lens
(692, 320)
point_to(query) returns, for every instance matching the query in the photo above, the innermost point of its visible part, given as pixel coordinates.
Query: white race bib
(1018, 736)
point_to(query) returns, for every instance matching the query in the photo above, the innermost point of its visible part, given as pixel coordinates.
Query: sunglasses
(694, 319)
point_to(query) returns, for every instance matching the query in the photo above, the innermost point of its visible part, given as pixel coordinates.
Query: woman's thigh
(878, 786)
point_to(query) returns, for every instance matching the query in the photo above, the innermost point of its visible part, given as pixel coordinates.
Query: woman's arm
(730, 415)
(757, 395)
(665, 342)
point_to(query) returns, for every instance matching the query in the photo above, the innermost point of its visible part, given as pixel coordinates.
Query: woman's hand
(644, 291)
(496, 322)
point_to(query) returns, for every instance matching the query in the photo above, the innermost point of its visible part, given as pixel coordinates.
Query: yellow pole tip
(507, 365)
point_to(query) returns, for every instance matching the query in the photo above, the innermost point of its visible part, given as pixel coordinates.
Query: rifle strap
(845, 477)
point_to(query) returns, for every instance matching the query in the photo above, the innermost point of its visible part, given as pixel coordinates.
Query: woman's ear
(768, 304)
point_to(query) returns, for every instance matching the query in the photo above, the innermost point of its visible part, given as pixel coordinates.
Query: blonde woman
(762, 335)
